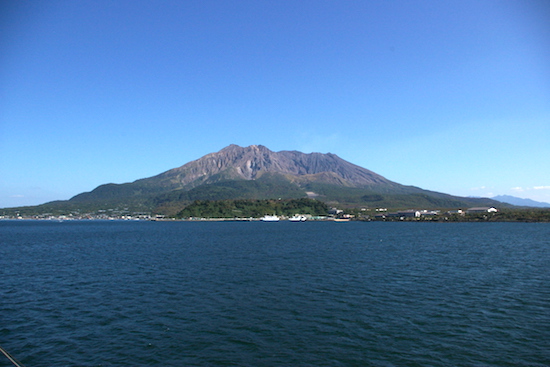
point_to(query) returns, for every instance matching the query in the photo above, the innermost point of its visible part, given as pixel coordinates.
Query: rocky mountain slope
(249, 163)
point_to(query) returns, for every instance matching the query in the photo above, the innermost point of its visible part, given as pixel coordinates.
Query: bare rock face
(235, 162)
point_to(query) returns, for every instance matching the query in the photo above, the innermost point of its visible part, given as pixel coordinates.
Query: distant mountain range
(255, 172)
(521, 202)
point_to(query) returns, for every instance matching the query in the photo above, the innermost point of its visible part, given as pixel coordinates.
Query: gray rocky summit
(255, 160)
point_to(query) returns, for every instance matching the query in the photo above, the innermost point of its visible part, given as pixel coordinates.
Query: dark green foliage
(117, 191)
(263, 188)
(372, 198)
(505, 215)
(267, 187)
(252, 208)
(403, 197)
(514, 215)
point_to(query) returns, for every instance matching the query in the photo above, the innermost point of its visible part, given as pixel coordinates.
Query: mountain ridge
(249, 162)
(520, 201)
(255, 172)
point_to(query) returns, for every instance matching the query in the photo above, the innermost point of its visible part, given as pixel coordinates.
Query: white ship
(270, 218)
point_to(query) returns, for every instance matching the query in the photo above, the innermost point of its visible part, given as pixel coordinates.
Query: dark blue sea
(94, 293)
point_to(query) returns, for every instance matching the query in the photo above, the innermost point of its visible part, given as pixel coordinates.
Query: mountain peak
(234, 147)
(251, 162)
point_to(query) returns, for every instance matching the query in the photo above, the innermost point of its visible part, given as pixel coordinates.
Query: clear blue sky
(451, 96)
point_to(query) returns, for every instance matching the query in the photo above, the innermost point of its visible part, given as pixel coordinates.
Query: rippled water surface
(275, 294)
